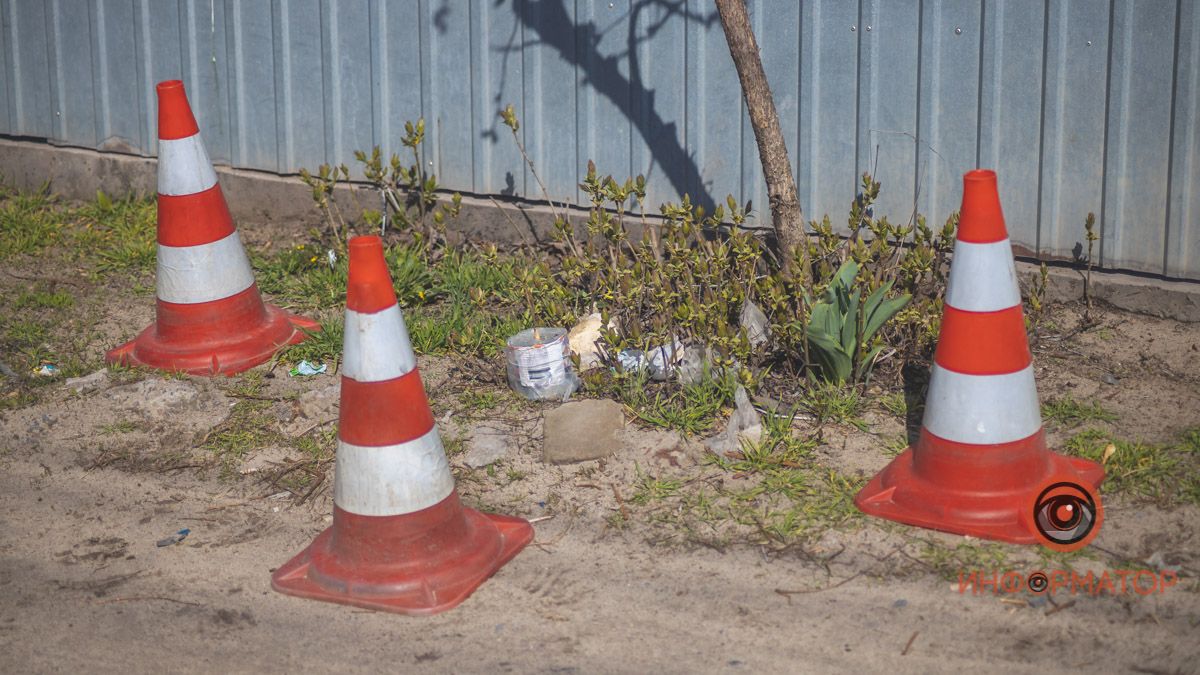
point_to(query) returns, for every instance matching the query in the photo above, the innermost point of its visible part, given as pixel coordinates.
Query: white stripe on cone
(394, 479)
(183, 167)
(377, 347)
(202, 273)
(982, 409)
(983, 277)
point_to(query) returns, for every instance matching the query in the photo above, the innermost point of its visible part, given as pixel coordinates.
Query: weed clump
(1167, 475)
(688, 277)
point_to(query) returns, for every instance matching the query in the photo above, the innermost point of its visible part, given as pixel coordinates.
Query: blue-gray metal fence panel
(1082, 106)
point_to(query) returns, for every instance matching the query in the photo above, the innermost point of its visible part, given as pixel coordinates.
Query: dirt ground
(91, 479)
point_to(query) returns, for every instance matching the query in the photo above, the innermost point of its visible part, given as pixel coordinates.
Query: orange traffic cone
(980, 466)
(401, 541)
(210, 318)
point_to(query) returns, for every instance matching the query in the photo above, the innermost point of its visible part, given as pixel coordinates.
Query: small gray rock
(157, 399)
(86, 383)
(758, 327)
(486, 446)
(320, 403)
(1109, 378)
(265, 459)
(745, 416)
(694, 364)
(582, 430)
(744, 425)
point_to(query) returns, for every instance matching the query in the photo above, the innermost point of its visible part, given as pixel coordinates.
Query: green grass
(835, 403)
(110, 236)
(248, 426)
(474, 277)
(783, 495)
(692, 409)
(120, 235)
(460, 328)
(648, 489)
(965, 557)
(68, 342)
(1166, 475)
(321, 346)
(781, 506)
(40, 299)
(30, 221)
(462, 303)
(1189, 441)
(896, 444)
(895, 403)
(23, 334)
(473, 399)
(308, 286)
(1067, 411)
(122, 427)
(14, 400)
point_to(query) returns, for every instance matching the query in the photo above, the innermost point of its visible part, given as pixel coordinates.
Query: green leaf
(869, 360)
(875, 298)
(834, 364)
(849, 331)
(886, 310)
(845, 275)
(824, 319)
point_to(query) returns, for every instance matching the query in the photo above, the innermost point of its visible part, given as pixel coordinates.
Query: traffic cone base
(432, 559)
(208, 351)
(963, 490)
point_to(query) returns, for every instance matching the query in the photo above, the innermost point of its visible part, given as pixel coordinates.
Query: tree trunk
(786, 216)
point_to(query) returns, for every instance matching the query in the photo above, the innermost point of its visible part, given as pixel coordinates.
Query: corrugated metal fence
(1081, 105)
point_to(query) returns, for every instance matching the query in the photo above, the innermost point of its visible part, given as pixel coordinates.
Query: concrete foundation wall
(265, 198)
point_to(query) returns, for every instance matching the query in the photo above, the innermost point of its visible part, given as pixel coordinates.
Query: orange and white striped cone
(981, 460)
(400, 541)
(210, 317)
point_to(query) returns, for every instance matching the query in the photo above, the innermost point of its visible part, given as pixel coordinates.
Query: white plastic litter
(659, 362)
(304, 369)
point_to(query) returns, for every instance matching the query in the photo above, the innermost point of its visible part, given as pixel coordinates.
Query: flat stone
(744, 427)
(486, 445)
(265, 459)
(86, 383)
(582, 430)
(320, 403)
(183, 404)
(157, 399)
(668, 449)
(758, 327)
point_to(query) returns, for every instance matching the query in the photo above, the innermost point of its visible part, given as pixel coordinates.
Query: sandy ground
(83, 586)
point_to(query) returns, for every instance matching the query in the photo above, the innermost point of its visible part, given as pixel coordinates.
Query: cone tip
(369, 286)
(175, 118)
(168, 85)
(980, 175)
(981, 220)
(365, 243)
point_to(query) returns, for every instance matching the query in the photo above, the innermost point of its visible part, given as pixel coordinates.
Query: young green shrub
(409, 200)
(842, 327)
